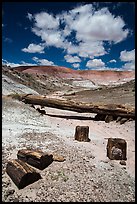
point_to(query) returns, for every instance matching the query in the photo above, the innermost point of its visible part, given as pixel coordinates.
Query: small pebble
(122, 162)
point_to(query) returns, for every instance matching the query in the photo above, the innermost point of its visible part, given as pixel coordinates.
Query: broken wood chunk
(116, 149)
(21, 173)
(58, 158)
(35, 158)
(81, 133)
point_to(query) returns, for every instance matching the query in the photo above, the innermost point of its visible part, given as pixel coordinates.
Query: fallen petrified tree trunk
(37, 159)
(21, 174)
(107, 109)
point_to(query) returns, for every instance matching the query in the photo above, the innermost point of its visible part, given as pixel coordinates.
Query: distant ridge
(96, 76)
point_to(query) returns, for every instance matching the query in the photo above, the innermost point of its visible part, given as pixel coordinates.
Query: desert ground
(87, 174)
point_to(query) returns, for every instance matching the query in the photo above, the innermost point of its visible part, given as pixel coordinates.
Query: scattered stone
(10, 192)
(43, 112)
(122, 162)
(118, 119)
(123, 120)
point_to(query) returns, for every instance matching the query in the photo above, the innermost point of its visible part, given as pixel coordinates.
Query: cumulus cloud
(89, 27)
(129, 57)
(86, 49)
(102, 25)
(129, 66)
(113, 60)
(72, 59)
(43, 20)
(95, 63)
(33, 48)
(43, 61)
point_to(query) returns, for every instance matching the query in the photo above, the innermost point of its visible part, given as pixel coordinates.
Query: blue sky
(78, 35)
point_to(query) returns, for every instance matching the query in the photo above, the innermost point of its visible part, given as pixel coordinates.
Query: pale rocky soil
(87, 175)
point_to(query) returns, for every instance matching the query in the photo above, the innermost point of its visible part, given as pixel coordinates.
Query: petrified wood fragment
(58, 158)
(35, 158)
(116, 149)
(81, 133)
(21, 173)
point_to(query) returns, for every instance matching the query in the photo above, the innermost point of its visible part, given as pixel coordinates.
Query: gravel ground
(86, 175)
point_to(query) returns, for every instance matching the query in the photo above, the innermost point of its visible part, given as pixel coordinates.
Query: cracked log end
(21, 174)
(116, 149)
(81, 133)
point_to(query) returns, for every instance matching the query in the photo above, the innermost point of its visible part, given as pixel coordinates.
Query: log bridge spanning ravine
(114, 110)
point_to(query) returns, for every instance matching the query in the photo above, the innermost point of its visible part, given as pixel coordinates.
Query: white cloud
(76, 65)
(72, 59)
(101, 24)
(43, 61)
(44, 20)
(129, 66)
(89, 27)
(33, 48)
(30, 16)
(113, 60)
(95, 63)
(127, 56)
(12, 64)
(86, 49)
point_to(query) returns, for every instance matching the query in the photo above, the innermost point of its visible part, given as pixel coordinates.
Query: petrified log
(21, 173)
(81, 133)
(35, 158)
(116, 149)
(107, 109)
